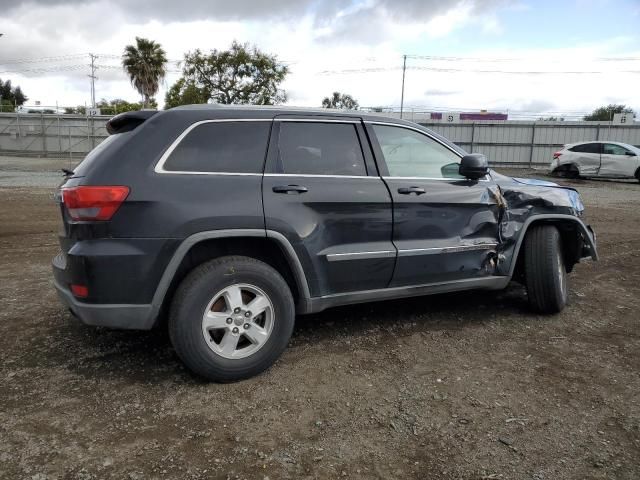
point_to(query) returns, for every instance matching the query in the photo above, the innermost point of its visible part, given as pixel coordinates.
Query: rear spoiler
(127, 121)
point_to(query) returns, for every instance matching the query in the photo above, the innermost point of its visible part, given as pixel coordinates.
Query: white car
(597, 159)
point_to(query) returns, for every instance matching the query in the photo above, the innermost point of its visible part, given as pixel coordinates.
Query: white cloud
(368, 34)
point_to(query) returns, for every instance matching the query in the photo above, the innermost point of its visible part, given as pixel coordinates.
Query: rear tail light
(556, 155)
(81, 291)
(93, 203)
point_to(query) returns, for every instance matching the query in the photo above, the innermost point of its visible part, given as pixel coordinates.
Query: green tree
(184, 92)
(111, 107)
(241, 75)
(605, 114)
(341, 101)
(146, 64)
(11, 96)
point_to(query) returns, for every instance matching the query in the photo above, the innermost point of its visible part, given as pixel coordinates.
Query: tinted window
(320, 149)
(586, 148)
(229, 147)
(408, 153)
(611, 149)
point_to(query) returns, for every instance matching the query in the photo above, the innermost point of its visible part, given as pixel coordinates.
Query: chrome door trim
(337, 257)
(452, 249)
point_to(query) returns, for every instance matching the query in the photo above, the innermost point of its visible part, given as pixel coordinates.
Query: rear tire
(572, 172)
(213, 328)
(545, 270)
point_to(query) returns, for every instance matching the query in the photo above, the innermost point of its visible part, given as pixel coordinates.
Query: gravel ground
(464, 386)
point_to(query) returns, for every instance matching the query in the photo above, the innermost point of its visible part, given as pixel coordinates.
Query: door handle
(289, 189)
(410, 190)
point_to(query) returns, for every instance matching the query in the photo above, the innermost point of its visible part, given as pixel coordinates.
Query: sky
(522, 56)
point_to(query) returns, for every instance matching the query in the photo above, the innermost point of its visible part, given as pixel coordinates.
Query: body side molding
(318, 304)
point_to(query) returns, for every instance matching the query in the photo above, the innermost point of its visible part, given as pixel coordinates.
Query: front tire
(231, 318)
(545, 270)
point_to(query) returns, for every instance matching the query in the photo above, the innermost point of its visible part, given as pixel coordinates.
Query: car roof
(626, 145)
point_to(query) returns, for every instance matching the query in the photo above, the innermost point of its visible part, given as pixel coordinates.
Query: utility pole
(93, 79)
(404, 69)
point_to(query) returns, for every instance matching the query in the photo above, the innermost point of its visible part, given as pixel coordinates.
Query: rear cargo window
(109, 144)
(221, 147)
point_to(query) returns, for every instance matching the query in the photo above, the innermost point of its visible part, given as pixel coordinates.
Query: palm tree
(146, 65)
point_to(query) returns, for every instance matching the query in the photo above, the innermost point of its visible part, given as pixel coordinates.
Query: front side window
(586, 148)
(612, 149)
(408, 153)
(316, 148)
(222, 147)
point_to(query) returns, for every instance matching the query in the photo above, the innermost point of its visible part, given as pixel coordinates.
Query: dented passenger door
(445, 227)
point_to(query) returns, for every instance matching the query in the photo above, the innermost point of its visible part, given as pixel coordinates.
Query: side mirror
(474, 166)
(630, 154)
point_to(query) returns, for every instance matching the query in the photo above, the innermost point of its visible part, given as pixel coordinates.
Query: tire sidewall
(196, 293)
(562, 280)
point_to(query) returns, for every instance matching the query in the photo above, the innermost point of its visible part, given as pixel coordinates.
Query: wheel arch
(568, 167)
(268, 246)
(569, 226)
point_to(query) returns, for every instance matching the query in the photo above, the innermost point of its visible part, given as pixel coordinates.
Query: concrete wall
(515, 143)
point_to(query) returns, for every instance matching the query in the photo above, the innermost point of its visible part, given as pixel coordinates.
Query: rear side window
(587, 148)
(314, 148)
(221, 147)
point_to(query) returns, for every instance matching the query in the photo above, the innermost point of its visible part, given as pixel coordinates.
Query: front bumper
(120, 316)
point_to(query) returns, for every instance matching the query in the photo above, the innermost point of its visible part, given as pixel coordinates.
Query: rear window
(109, 144)
(316, 148)
(222, 147)
(586, 148)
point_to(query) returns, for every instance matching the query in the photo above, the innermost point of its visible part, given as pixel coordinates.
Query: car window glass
(586, 148)
(225, 147)
(316, 148)
(611, 149)
(408, 153)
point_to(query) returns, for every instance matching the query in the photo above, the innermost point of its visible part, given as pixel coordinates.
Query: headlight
(576, 201)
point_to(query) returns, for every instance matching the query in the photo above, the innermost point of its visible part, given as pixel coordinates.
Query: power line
(56, 58)
(460, 70)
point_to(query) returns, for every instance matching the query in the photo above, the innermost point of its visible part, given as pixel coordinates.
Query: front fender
(511, 252)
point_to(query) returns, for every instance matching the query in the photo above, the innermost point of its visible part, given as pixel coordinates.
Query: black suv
(229, 221)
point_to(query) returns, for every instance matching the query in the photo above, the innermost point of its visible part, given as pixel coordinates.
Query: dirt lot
(464, 386)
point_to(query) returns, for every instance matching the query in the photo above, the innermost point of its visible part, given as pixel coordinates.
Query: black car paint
(362, 224)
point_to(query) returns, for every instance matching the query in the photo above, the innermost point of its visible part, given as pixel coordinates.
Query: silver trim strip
(459, 248)
(432, 178)
(316, 120)
(320, 176)
(159, 168)
(335, 257)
